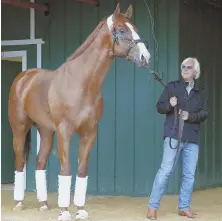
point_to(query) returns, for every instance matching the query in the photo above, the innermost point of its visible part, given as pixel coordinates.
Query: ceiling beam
(36, 6)
(91, 2)
(41, 7)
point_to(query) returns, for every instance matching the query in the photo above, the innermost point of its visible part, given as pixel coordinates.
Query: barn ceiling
(42, 7)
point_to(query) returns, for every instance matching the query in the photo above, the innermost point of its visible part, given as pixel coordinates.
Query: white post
(32, 22)
(39, 55)
(39, 65)
(24, 67)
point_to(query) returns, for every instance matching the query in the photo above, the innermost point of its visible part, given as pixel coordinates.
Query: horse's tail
(27, 146)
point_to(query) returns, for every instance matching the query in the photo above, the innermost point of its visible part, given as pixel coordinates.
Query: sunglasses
(186, 67)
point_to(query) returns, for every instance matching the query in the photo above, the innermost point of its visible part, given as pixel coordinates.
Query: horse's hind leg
(86, 142)
(46, 142)
(21, 147)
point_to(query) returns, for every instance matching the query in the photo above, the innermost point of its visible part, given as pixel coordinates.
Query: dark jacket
(195, 103)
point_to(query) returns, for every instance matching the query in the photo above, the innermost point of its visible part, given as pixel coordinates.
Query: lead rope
(116, 41)
(181, 123)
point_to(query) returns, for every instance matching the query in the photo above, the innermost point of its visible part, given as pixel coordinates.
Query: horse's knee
(20, 167)
(82, 169)
(40, 163)
(18, 145)
(19, 163)
(65, 169)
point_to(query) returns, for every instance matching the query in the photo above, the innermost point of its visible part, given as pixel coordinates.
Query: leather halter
(118, 36)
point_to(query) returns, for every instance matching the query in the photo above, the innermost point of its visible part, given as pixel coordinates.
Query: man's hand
(185, 115)
(173, 101)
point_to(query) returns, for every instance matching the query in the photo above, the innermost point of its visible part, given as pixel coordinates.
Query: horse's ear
(116, 12)
(129, 12)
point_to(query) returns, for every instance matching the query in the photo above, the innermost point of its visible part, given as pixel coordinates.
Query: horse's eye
(121, 31)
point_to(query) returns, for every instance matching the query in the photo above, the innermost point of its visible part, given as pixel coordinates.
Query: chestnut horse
(68, 100)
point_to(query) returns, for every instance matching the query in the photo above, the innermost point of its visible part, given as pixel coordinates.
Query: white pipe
(22, 42)
(32, 22)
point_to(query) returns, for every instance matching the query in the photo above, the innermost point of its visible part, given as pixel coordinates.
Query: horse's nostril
(143, 58)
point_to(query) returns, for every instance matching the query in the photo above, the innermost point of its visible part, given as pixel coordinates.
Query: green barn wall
(15, 23)
(202, 39)
(128, 149)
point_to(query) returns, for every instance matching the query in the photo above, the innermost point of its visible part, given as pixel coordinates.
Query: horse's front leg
(41, 161)
(64, 179)
(86, 141)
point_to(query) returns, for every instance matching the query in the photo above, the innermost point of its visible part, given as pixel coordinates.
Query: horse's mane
(88, 41)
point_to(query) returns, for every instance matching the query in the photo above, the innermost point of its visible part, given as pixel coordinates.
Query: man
(191, 103)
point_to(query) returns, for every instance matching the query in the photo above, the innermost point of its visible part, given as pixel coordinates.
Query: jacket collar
(185, 84)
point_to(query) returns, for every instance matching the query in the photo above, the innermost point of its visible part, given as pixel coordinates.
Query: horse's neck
(93, 65)
(96, 56)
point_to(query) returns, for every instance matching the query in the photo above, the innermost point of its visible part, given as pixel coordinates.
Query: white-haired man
(191, 102)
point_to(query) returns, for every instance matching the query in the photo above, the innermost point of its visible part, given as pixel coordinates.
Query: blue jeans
(189, 162)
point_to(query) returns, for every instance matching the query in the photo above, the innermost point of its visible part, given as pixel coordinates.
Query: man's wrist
(190, 116)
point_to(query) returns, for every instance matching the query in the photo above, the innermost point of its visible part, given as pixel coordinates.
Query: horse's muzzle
(141, 62)
(144, 60)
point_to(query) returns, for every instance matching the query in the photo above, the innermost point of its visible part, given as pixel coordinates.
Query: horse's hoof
(43, 208)
(18, 207)
(64, 216)
(82, 214)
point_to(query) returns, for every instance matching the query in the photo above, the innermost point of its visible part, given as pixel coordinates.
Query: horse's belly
(36, 105)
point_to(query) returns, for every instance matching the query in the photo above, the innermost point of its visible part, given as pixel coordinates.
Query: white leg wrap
(80, 191)
(19, 190)
(41, 185)
(64, 191)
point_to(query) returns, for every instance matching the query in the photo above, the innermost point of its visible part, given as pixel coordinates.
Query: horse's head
(126, 41)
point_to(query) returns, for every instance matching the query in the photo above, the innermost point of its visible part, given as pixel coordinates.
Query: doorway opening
(13, 62)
